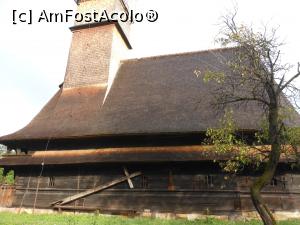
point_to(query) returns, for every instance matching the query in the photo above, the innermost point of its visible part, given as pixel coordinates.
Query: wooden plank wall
(195, 188)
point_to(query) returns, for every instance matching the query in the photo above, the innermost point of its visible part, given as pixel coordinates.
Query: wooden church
(126, 135)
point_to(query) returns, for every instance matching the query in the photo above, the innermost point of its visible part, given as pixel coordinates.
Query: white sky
(33, 58)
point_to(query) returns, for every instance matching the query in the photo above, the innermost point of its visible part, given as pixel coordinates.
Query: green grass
(82, 219)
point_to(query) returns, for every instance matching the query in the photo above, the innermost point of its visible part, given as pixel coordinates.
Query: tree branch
(244, 99)
(292, 79)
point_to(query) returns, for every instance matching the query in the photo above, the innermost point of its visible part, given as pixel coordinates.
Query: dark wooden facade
(148, 115)
(163, 187)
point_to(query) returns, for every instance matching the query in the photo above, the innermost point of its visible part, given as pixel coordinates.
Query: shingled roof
(149, 96)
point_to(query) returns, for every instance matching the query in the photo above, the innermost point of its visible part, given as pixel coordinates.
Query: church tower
(76, 110)
(97, 47)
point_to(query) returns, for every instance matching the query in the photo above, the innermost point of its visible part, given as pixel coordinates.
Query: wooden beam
(128, 178)
(94, 190)
(84, 208)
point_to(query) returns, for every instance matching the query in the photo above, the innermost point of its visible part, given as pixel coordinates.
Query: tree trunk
(269, 171)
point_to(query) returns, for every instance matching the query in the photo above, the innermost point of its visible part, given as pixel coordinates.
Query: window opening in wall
(284, 181)
(274, 182)
(279, 182)
(144, 182)
(196, 182)
(209, 181)
(51, 181)
(171, 186)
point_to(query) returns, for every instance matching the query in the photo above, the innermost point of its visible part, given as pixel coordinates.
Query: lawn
(62, 219)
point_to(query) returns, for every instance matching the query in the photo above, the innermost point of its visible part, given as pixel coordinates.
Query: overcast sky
(33, 57)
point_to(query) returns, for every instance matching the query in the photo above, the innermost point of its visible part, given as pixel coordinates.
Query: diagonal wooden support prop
(96, 189)
(128, 178)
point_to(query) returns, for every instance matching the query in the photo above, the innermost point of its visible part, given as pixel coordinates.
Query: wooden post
(128, 178)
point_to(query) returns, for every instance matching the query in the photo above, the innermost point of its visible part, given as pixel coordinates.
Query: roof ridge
(179, 54)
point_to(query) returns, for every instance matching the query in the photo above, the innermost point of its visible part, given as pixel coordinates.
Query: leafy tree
(10, 178)
(226, 142)
(2, 175)
(255, 74)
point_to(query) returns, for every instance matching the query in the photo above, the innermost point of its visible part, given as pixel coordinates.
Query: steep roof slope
(149, 96)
